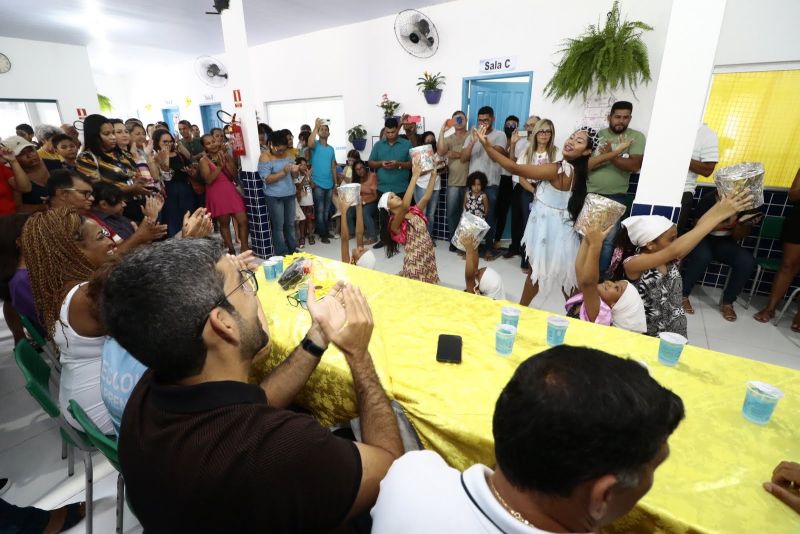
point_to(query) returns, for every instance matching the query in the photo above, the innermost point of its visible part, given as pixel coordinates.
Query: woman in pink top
(222, 198)
(609, 303)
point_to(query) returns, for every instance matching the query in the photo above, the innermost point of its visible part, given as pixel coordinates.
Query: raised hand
(479, 134)
(351, 332)
(7, 154)
(624, 143)
(149, 230)
(152, 206)
(729, 206)
(416, 168)
(198, 224)
(515, 137)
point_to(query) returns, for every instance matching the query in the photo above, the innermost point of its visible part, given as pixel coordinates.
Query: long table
(712, 479)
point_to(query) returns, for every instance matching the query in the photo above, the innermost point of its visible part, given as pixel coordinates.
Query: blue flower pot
(360, 144)
(432, 96)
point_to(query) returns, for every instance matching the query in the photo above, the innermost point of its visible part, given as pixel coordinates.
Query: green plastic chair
(771, 228)
(108, 447)
(37, 376)
(40, 342)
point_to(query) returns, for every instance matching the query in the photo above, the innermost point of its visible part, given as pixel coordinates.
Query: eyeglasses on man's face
(87, 193)
(249, 285)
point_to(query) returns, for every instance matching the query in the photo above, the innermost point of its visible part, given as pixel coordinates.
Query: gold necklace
(516, 515)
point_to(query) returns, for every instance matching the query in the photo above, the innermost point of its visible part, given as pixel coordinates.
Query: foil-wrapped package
(424, 155)
(598, 212)
(350, 193)
(469, 225)
(747, 176)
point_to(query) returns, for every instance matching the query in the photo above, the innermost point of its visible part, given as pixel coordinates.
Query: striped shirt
(116, 167)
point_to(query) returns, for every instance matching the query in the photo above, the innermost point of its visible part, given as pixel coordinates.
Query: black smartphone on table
(449, 349)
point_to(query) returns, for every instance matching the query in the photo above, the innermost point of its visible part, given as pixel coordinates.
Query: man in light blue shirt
(323, 172)
(119, 374)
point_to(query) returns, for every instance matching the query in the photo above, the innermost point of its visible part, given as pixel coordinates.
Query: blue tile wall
(260, 233)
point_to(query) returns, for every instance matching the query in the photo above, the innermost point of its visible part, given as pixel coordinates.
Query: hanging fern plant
(105, 103)
(603, 59)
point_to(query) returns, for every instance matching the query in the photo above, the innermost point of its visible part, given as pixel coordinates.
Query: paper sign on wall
(497, 64)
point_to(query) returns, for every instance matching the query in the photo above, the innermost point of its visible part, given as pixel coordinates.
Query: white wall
(166, 87)
(43, 70)
(759, 32)
(362, 61)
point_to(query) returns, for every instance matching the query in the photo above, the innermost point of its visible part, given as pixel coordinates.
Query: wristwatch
(312, 348)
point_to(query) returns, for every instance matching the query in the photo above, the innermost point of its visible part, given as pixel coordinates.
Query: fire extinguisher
(237, 138)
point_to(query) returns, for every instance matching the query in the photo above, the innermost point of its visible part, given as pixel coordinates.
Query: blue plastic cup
(509, 316)
(670, 348)
(760, 400)
(269, 271)
(504, 339)
(278, 265)
(556, 330)
(302, 293)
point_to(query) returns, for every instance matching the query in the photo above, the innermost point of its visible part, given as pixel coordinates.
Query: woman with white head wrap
(654, 268)
(609, 303)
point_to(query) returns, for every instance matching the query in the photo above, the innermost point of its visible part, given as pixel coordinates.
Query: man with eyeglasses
(518, 144)
(68, 189)
(203, 449)
(479, 160)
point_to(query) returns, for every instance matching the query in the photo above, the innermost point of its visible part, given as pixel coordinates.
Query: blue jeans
(608, 244)
(322, 209)
(492, 191)
(281, 219)
(370, 227)
(430, 209)
(724, 250)
(455, 204)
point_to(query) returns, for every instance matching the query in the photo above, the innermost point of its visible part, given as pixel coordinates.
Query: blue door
(208, 114)
(171, 116)
(505, 98)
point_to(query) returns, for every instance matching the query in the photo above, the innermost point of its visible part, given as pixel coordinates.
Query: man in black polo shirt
(200, 448)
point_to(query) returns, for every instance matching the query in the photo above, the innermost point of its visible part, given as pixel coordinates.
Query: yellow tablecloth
(710, 483)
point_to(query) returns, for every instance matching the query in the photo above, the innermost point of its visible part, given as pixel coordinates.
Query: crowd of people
(116, 224)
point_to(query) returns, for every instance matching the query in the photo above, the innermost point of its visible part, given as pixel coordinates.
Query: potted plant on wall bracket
(358, 136)
(389, 107)
(602, 59)
(430, 85)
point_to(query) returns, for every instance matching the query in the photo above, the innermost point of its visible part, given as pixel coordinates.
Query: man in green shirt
(393, 162)
(192, 144)
(611, 179)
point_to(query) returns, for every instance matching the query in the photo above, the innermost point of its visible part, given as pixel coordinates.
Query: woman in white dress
(550, 241)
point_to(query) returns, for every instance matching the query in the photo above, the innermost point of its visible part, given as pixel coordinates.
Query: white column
(237, 59)
(683, 83)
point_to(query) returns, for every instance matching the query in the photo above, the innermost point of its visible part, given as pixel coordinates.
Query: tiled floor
(30, 451)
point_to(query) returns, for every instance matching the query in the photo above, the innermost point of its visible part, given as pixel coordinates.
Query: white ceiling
(121, 34)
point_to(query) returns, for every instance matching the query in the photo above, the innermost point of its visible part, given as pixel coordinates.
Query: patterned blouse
(475, 204)
(661, 295)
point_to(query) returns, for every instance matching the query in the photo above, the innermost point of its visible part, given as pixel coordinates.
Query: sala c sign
(497, 64)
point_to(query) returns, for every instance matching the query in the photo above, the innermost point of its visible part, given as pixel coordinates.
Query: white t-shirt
(480, 160)
(706, 148)
(539, 158)
(306, 196)
(81, 362)
(421, 493)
